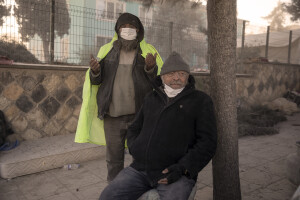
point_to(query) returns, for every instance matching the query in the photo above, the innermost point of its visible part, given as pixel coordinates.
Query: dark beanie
(127, 18)
(174, 63)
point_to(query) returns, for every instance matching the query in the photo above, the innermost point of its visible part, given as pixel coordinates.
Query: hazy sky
(250, 10)
(253, 10)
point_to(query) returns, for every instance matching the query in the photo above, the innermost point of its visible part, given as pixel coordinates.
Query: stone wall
(44, 100)
(261, 82)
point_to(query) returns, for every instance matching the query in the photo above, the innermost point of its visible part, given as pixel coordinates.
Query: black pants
(131, 184)
(115, 129)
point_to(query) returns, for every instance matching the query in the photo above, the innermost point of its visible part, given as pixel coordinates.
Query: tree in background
(188, 13)
(188, 25)
(33, 18)
(277, 17)
(294, 9)
(4, 11)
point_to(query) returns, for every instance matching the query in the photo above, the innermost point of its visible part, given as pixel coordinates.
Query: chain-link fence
(57, 32)
(67, 32)
(266, 44)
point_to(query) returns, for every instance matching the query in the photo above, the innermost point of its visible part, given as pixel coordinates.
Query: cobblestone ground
(262, 173)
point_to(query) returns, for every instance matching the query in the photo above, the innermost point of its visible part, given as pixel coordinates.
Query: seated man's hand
(94, 65)
(173, 173)
(150, 61)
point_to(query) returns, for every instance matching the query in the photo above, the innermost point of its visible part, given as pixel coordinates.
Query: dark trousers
(130, 184)
(115, 129)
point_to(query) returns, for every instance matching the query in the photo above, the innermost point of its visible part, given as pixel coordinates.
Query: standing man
(172, 138)
(115, 88)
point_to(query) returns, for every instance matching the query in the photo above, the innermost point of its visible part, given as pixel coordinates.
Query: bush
(17, 52)
(258, 120)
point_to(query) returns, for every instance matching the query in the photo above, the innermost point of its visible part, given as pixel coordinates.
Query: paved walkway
(262, 173)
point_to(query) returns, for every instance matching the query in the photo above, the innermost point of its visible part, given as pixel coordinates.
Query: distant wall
(44, 100)
(261, 82)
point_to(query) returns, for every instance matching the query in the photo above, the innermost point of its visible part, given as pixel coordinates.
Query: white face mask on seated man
(128, 33)
(170, 92)
(174, 82)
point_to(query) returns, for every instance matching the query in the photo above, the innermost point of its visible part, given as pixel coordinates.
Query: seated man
(172, 138)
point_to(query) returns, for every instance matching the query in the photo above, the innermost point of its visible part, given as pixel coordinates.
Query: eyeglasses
(179, 74)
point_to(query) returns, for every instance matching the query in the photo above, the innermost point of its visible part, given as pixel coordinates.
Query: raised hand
(94, 65)
(150, 61)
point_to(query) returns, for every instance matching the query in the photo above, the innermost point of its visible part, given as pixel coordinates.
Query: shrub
(17, 52)
(259, 120)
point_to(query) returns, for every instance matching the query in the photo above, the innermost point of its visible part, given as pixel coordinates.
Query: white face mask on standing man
(128, 33)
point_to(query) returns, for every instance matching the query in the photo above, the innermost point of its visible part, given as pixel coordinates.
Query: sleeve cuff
(149, 71)
(94, 75)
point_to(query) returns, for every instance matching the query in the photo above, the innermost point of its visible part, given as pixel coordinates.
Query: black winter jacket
(182, 130)
(109, 65)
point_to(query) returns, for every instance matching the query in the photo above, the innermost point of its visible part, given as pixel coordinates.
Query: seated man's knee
(150, 195)
(180, 190)
(107, 194)
(112, 191)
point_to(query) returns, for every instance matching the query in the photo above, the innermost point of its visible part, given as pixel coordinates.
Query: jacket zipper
(148, 144)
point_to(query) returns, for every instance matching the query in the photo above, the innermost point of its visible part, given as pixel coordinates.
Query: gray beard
(128, 45)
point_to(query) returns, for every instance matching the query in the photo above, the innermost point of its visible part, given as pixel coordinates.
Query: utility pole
(52, 21)
(290, 47)
(267, 42)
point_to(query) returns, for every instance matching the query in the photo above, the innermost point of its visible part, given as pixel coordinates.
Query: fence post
(170, 36)
(267, 42)
(52, 21)
(290, 46)
(243, 40)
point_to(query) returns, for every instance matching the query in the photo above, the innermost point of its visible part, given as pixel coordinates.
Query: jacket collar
(157, 85)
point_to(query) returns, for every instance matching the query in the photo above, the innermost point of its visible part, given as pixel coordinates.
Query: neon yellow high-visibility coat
(90, 128)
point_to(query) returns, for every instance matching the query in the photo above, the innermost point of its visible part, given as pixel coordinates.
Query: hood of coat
(127, 18)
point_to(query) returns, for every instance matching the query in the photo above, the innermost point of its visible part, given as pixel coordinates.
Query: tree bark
(221, 15)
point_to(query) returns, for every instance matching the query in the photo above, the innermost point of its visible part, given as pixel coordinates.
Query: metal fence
(264, 43)
(65, 33)
(60, 33)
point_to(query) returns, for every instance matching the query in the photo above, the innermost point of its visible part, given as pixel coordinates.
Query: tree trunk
(221, 15)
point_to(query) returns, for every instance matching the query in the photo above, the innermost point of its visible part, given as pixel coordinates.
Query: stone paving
(262, 173)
